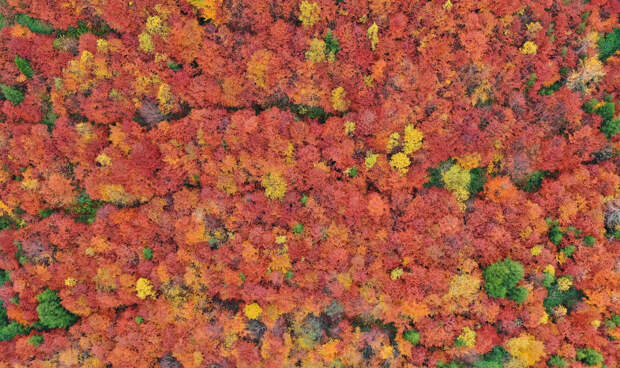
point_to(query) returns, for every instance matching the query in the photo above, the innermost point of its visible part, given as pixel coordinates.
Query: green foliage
(2, 21)
(606, 111)
(556, 297)
(99, 29)
(304, 200)
(609, 44)
(555, 232)
(46, 212)
(19, 254)
(5, 276)
(147, 253)
(353, 172)
(534, 181)
(412, 335)
(610, 126)
(12, 94)
(49, 115)
(35, 25)
(24, 66)
(9, 329)
(477, 180)
(589, 240)
(12, 329)
(4, 319)
(174, 66)
(557, 361)
(288, 275)
(8, 222)
(332, 46)
(568, 251)
(450, 365)
(495, 358)
(139, 320)
(518, 294)
(434, 175)
(546, 91)
(51, 313)
(589, 356)
(312, 112)
(501, 279)
(530, 81)
(434, 178)
(85, 209)
(298, 229)
(35, 340)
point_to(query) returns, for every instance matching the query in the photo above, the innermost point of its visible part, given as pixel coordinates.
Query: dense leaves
(309, 183)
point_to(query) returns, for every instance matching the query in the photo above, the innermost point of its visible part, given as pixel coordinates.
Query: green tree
(51, 313)
(412, 335)
(12, 94)
(501, 280)
(589, 356)
(24, 66)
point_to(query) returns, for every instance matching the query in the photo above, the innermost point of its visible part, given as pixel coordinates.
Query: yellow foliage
(349, 127)
(345, 280)
(310, 13)
(536, 250)
(338, 99)
(591, 71)
(144, 288)
(529, 48)
(30, 184)
(316, 52)
(117, 137)
(469, 161)
(400, 162)
(526, 348)
(387, 351)
(457, 180)
(70, 282)
(550, 270)
(466, 286)
(257, 67)
(145, 42)
(564, 283)
(396, 273)
(155, 25)
(103, 46)
(275, 185)
(393, 141)
(412, 139)
(105, 279)
(252, 311)
(114, 193)
(103, 159)
(447, 5)
(280, 262)
(373, 35)
(468, 337)
(482, 93)
(85, 130)
(371, 159)
(533, 27)
(329, 350)
(208, 8)
(165, 97)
